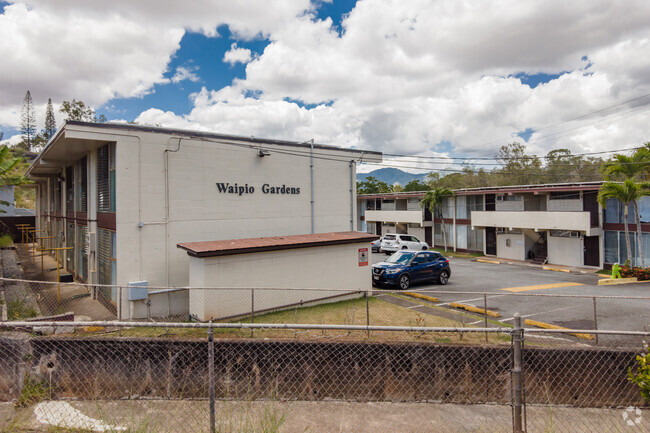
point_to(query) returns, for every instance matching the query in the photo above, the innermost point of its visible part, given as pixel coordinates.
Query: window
(564, 195)
(81, 186)
(106, 178)
(69, 189)
(400, 204)
(106, 263)
(565, 234)
(81, 249)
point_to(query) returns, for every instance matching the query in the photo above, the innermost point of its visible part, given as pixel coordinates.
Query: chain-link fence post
(211, 378)
(485, 315)
(517, 363)
(595, 322)
(367, 313)
(252, 309)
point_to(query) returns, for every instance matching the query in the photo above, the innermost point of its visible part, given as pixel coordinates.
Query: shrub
(641, 376)
(642, 274)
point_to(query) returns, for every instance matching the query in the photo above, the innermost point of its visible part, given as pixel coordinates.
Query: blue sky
(435, 78)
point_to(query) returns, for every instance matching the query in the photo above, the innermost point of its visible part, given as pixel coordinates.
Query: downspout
(311, 167)
(352, 201)
(166, 222)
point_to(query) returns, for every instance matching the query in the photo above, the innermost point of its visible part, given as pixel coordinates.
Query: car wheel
(424, 248)
(379, 250)
(404, 282)
(443, 278)
(405, 248)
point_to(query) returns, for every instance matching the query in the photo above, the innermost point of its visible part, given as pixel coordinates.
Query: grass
(350, 312)
(6, 241)
(458, 254)
(20, 310)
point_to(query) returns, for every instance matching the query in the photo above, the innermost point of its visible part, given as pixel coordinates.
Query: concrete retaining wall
(173, 368)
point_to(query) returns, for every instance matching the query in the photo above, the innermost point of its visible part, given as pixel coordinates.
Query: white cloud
(400, 77)
(185, 73)
(237, 55)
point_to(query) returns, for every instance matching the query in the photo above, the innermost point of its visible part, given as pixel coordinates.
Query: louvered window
(69, 243)
(103, 183)
(106, 178)
(69, 189)
(82, 252)
(82, 186)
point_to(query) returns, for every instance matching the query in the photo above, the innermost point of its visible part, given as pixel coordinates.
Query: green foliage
(518, 168)
(372, 186)
(34, 390)
(77, 110)
(641, 375)
(416, 185)
(28, 121)
(434, 199)
(6, 241)
(19, 310)
(50, 122)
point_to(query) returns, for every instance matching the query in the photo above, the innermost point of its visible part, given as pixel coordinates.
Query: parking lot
(529, 291)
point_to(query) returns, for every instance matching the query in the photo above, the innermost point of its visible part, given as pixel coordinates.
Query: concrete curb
(494, 262)
(474, 309)
(425, 297)
(549, 326)
(617, 281)
(550, 268)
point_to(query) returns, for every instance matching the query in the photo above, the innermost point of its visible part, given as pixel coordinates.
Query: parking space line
(540, 287)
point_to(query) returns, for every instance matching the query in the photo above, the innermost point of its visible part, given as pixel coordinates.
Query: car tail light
(447, 261)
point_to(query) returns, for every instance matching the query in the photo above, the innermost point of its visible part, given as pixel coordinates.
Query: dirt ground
(315, 417)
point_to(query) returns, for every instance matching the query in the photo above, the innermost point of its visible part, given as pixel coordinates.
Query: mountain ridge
(392, 176)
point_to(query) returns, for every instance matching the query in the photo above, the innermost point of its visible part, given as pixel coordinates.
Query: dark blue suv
(406, 267)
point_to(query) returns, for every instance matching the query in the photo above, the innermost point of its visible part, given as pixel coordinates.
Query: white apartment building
(123, 196)
(554, 223)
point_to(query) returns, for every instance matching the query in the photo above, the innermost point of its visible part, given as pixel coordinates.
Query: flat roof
(273, 243)
(541, 187)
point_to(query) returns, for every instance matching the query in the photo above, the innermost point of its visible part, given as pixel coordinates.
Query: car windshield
(401, 258)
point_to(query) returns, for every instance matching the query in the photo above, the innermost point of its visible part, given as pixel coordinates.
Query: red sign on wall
(363, 256)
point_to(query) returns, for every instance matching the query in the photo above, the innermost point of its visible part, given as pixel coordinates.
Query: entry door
(378, 229)
(428, 238)
(592, 251)
(491, 241)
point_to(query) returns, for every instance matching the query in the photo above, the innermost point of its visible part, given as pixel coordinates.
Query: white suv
(393, 242)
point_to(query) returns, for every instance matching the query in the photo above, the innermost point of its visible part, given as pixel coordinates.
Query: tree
(372, 186)
(28, 121)
(8, 176)
(435, 198)
(631, 168)
(415, 185)
(626, 193)
(77, 110)
(50, 122)
(517, 167)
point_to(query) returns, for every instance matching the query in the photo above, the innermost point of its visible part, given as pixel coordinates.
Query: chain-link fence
(39, 300)
(88, 380)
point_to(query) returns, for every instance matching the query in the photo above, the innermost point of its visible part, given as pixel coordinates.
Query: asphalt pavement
(571, 300)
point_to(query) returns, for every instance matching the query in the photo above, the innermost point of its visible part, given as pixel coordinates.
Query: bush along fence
(167, 383)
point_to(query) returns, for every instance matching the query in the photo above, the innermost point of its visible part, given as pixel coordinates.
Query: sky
(425, 82)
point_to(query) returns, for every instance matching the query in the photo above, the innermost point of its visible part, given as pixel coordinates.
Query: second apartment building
(553, 223)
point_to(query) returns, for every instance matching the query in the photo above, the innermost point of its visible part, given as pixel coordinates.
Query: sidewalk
(51, 298)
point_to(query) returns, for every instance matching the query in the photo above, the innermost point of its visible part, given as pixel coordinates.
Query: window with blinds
(69, 189)
(69, 243)
(105, 256)
(82, 186)
(82, 252)
(106, 178)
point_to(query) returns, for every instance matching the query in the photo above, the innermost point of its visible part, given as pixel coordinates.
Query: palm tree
(434, 198)
(626, 193)
(632, 168)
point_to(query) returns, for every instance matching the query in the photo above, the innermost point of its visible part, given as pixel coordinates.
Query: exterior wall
(517, 248)
(400, 216)
(565, 251)
(278, 269)
(579, 221)
(157, 209)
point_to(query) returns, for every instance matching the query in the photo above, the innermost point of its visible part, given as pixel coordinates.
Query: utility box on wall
(138, 290)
